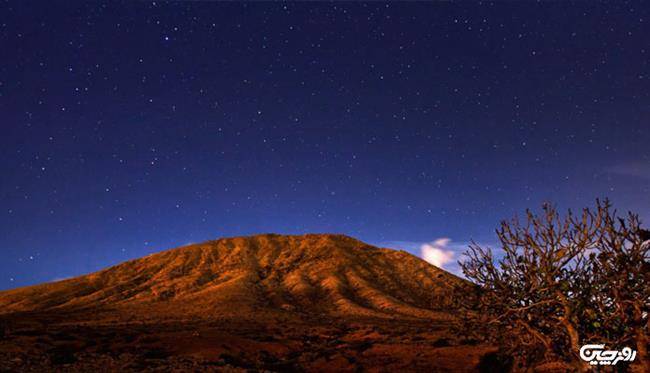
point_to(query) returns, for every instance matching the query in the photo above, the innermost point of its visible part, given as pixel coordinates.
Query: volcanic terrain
(266, 302)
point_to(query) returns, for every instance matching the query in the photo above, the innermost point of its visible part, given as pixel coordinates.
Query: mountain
(294, 293)
(329, 274)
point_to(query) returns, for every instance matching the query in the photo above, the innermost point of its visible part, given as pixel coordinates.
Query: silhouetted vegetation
(561, 282)
(62, 355)
(495, 362)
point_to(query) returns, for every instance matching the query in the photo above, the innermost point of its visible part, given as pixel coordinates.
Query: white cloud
(437, 252)
(442, 252)
(632, 169)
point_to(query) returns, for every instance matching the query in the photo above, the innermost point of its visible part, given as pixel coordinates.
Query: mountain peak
(260, 275)
(313, 302)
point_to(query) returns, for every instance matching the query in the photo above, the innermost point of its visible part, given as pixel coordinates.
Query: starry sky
(131, 127)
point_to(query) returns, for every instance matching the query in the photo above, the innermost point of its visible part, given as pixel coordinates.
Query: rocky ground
(35, 344)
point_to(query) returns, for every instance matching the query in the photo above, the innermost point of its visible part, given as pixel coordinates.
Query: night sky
(129, 128)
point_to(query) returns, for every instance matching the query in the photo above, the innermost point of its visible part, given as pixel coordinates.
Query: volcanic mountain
(266, 301)
(328, 274)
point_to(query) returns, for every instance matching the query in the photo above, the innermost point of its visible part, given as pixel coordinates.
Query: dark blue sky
(128, 128)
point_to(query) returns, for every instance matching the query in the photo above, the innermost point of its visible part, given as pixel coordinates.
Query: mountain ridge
(267, 273)
(316, 302)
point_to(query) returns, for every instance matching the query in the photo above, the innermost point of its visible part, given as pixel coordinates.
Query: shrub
(563, 281)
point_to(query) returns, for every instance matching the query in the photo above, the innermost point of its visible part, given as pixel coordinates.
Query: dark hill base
(40, 343)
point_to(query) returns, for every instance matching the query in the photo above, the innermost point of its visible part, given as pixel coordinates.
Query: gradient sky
(132, 127)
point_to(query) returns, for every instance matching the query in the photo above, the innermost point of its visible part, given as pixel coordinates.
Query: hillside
(305, 303)
(330, 274)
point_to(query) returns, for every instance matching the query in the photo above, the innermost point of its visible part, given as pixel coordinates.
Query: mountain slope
(311, 303)
(258, 275)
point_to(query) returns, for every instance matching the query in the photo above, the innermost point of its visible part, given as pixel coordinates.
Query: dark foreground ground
(37, 343)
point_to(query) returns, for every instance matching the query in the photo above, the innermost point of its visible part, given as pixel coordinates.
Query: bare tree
(564, 281)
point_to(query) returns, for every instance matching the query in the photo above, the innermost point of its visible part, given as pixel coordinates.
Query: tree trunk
(575, 346)
(642, 349)
(574, 337)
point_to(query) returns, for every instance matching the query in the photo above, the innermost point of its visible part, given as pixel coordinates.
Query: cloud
(438, 252)
(634, 169)
(442, 252)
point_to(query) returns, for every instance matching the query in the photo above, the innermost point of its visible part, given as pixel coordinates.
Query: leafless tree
(564, 281)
